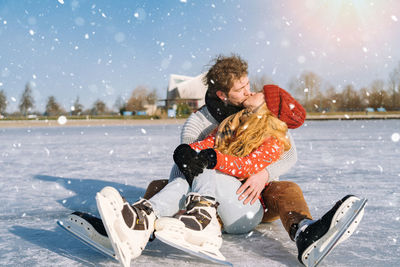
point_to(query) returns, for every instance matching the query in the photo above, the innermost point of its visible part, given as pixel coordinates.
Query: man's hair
(224, 71)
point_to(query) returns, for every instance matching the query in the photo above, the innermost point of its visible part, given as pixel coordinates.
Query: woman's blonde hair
(241, 133)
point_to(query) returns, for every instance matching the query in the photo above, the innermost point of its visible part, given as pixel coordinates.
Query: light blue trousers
(237, 218)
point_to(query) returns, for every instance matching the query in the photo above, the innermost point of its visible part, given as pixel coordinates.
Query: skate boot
(316, 239)
(196, 230)
(128, 226)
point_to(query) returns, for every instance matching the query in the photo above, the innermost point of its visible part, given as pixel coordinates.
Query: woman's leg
(236, 217)
(170, 199)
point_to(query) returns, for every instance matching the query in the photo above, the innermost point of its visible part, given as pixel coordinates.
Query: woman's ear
(221, 95)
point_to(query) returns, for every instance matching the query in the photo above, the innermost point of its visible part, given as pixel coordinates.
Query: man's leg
(285, 200)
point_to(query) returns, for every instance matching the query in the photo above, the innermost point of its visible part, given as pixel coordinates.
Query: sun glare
(346, 23)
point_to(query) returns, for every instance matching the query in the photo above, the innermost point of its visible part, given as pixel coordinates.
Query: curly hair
(241, 133)
(224, 71)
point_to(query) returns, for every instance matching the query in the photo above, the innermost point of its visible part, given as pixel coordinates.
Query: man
(228, 90)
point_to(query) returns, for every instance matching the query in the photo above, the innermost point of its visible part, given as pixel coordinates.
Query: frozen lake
(45, 173)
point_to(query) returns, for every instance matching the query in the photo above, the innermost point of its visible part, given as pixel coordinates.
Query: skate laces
(197, 216)
(135, 216)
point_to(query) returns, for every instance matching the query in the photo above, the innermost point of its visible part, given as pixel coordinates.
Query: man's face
(254, 101)
(239, 92)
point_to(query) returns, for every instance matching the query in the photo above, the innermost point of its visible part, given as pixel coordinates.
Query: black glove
(208, 157)
(188, 162)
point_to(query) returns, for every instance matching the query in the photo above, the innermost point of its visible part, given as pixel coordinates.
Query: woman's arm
(243, 167)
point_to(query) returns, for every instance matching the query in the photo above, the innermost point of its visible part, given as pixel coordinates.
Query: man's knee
(282, 186)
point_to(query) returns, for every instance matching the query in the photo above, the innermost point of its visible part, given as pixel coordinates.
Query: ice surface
(45, 173)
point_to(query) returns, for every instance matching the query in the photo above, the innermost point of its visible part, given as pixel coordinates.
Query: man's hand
(253, 187)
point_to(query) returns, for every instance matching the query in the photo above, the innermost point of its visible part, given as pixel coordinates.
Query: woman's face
(254, 101)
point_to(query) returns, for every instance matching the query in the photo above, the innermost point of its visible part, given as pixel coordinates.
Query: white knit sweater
(201, 123)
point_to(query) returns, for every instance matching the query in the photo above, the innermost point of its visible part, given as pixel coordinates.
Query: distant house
(186, 89)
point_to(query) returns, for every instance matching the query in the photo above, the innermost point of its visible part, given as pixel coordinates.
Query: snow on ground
(45, 173)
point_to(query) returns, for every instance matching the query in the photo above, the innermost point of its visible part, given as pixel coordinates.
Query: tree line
(317, 96)
(141, 97)
(310, 89)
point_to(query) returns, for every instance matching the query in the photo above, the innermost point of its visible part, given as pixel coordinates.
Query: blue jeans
(237, 218)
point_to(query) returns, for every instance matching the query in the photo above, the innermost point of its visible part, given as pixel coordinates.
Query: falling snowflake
(395, 137)
(61, 2)
(62, 120)
(250, 215)
(301, 59)
(394, 18)
(143, 131)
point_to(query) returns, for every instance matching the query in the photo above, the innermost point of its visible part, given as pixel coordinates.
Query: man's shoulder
(202, 114)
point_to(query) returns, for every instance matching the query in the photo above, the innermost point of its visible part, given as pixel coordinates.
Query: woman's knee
(244, 224)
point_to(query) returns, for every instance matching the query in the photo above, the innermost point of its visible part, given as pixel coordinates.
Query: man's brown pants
(284, 200)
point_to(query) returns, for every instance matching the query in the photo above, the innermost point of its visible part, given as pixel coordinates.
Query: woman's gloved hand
(208, 157)
(188, 162)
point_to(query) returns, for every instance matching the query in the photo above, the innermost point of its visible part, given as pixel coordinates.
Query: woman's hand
(188, 162)
(253, 187)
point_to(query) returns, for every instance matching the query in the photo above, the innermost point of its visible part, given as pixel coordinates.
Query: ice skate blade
(82, 236)
(107, 213)
(332, 237)
(197, 251)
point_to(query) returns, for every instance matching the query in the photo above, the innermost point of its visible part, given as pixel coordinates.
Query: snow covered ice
(46, 173)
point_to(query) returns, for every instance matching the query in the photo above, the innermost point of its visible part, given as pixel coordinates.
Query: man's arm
(285, 162)
(198, 126)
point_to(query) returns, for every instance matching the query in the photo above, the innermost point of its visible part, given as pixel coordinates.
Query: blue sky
(104, 49)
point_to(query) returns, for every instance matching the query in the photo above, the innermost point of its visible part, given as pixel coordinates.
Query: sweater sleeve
(204, 144)
(285, 162)
(198, 126)
(243, 167)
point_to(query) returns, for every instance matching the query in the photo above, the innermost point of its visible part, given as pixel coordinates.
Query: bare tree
(120, 104)
(152, 97)
(306, 87)
(3, 102)
(350, 99)
(99, 108)
(27, 101)
(138, 99)
(332, 99)
(378, 97)
(257, 82)
(77, 107)
(394, 87)
(53, 108)
(364, 95)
